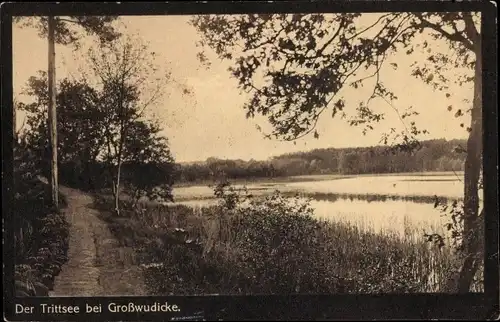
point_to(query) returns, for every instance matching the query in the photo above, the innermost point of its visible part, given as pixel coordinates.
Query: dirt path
(97, 264)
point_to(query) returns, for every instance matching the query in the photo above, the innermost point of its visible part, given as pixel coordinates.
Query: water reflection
(395, 217)
(449, 186)
(386, 185)
(399, 217)
(401, 204)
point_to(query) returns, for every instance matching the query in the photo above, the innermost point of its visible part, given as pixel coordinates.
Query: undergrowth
(41, 235)
(271, 245)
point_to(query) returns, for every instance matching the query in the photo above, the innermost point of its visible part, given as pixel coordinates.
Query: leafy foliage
(101, 26)
(454, 212)
(79, 121)
(296, 65)
(41, 237)
(148, 168)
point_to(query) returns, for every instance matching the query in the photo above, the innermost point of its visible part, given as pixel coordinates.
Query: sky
(211, 121)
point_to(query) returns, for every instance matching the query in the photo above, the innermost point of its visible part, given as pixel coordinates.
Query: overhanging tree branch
(68, 20)
(452, 37)
(472, 32)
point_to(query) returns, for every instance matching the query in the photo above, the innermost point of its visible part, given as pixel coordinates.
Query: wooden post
(52, 121)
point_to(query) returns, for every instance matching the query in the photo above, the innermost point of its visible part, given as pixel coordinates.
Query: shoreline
(320, 177)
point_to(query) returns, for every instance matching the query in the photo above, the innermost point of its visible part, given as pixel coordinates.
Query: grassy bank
(41, 238)
(271, 246)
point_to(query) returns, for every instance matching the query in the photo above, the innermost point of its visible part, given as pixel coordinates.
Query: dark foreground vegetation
(41, 235)
(271, 245)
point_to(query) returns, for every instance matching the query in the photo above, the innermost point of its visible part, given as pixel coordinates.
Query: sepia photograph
(248, 154)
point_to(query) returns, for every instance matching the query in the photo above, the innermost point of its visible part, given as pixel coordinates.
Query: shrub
(41, 236)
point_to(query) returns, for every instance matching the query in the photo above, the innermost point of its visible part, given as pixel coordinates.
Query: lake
(396, 203)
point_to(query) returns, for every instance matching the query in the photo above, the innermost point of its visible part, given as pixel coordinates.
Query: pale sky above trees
(211, 121)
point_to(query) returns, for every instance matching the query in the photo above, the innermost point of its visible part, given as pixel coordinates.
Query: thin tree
(58, 30)
(132, 84)
(295, 66)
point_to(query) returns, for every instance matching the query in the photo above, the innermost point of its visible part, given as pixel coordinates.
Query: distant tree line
(433, 155)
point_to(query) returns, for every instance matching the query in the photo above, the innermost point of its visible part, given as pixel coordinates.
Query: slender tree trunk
(52, 119)
(113, 185)
(14, 122)
(473, 166)
(117, 188)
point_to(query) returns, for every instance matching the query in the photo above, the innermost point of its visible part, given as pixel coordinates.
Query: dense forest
(432, 155)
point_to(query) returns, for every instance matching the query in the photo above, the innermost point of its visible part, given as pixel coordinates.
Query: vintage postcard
(250, 160)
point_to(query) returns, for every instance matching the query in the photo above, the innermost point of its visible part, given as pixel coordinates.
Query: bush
(87, 176)
(41, 236)
(279, 247)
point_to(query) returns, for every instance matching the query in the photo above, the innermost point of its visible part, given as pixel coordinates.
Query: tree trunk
(117, 188)
(473, 167)
(52, 116)
(14, 122)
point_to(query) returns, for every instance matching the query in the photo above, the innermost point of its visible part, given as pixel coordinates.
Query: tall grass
(273, 245)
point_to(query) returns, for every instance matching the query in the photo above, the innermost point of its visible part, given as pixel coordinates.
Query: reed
(274, 245)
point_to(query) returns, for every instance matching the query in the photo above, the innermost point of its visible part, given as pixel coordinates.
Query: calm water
(443, 186)
(379, 216)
